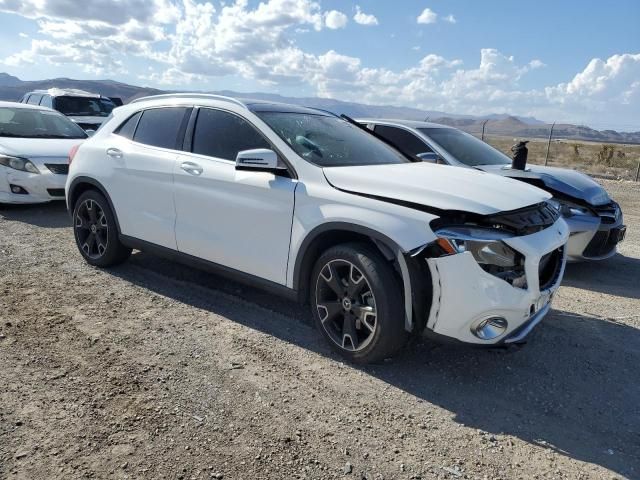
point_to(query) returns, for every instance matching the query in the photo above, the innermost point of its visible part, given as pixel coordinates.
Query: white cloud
(450, 18)
(364, 18)
(535, 63)
(427, 16)
(335, 20)
(185, 41)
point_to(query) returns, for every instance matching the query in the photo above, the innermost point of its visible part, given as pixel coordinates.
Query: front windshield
(35, 123)
(329, 141)
(84, 106)
(466, 148)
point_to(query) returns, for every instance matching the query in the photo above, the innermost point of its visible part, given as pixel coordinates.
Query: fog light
(489, 328)
(19, 190)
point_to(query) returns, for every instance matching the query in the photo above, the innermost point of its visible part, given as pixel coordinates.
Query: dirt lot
(153, 370)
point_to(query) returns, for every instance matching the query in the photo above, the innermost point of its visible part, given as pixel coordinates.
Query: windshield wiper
(12, 135)
(411, 158)
(44, 135)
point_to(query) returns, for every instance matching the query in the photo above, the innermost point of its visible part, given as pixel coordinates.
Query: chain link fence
(598, 158)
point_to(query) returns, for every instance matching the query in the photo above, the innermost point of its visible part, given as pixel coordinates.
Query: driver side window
(406, 141)
(222, 135)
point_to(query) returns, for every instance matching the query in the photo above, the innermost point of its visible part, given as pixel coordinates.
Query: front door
(238, 219)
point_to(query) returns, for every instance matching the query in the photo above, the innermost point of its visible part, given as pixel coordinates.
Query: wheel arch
(81, 184)
(415, 283)
(328, 235)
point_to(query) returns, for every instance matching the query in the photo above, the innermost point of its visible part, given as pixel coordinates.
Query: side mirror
(429, 157)
(90, 133)
(258, 159)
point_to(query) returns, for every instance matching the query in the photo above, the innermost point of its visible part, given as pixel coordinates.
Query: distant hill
(12, 88)
(515, 127)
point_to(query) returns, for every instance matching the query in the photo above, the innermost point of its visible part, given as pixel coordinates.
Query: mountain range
(13, 88)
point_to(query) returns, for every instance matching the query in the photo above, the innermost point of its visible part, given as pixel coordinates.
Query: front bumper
(595, 237)
(40, 187)
(465, 295)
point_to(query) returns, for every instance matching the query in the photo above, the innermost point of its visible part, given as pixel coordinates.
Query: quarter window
(405, 141)
(160, 127)
(128, 128)
(34, 99)
(46, 101)
(222, 135)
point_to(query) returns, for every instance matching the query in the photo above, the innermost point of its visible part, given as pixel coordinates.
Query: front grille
(602, 243)
(528, 220)
(56, 192)
(609, 213)
(550, 268)
(58, 168)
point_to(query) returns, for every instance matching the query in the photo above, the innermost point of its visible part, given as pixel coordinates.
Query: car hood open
(557, 181)
(436, 186)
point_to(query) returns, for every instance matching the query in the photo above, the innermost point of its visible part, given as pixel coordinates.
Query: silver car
(594, 219)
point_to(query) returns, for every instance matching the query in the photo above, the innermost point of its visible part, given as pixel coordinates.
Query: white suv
(307, 204)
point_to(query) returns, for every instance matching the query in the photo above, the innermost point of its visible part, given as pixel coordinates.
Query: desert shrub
(605, 155)
(576, 150)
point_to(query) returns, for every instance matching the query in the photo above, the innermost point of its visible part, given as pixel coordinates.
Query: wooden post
(638, 172)
(546, 160)
(484, 123)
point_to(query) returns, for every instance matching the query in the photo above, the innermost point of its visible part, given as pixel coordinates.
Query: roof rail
(191, 95)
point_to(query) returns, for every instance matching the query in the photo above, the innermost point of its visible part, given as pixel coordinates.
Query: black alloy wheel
(346, 305)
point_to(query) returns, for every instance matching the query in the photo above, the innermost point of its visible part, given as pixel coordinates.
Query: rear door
(143, 152)
(238, 219)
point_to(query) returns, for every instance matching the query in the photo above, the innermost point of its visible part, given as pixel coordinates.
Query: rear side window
(46, 101)
(128, 128)
(34, 99)
(405, 141)
(160, 127)
(222, 135)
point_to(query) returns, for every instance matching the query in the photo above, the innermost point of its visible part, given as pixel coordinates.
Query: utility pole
(546, 160)
(483, 124)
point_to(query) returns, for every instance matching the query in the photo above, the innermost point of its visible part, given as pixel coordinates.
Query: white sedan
(34, 147)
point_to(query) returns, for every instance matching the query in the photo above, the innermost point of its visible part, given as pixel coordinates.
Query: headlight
(485, 245)
(570, 209)
(18, 163)
(488, 249)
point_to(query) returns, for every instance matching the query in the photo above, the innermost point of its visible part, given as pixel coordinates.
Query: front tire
(96, 231)
(356, 301)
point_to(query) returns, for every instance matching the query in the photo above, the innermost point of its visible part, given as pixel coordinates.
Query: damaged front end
(488, 277)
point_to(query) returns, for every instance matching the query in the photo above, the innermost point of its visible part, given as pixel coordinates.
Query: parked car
(88, 110)
(308, 205)
(595, 220)
(34, 147)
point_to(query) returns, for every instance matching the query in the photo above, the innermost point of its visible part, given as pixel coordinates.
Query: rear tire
(96, 231)
(357, 304)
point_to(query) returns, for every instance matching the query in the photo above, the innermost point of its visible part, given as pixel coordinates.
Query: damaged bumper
(596, 237)
(32, 187)
(473, 306)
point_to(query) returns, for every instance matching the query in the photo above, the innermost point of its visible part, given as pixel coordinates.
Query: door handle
(192, 168)
(114, 152)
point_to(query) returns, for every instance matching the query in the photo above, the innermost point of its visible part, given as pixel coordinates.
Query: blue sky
(575, 61)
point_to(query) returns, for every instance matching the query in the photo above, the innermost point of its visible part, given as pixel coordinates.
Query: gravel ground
(154, 370)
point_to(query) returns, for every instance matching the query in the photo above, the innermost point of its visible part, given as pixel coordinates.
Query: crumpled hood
(437, 186)
(560, 180)
(38, 149)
